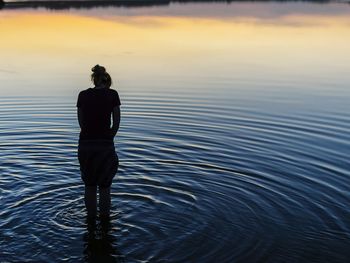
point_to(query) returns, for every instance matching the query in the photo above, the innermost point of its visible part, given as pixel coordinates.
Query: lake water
(234, 141)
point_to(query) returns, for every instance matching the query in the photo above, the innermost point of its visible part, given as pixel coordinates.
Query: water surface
(234, 138)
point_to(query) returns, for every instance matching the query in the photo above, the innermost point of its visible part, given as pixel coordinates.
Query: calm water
(234, 142)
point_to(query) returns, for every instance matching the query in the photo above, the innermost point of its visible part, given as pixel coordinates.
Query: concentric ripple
(198, 182)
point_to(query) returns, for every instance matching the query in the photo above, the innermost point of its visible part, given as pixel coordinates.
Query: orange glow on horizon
(53, 33)
(58, 44)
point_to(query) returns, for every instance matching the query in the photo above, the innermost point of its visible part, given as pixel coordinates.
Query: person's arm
(116, 120)
(79, 110)
(80, 114)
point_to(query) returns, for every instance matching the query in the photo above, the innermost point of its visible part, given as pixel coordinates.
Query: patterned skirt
(98, 162)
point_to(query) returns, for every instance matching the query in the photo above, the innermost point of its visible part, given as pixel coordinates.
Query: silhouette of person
(96, 153)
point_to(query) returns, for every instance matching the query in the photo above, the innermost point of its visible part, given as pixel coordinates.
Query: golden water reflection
(63, 46)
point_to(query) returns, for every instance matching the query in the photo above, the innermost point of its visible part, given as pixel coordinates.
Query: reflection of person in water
(97, 157)
(100, 244)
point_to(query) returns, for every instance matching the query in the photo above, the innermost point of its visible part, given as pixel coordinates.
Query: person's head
(100, 77)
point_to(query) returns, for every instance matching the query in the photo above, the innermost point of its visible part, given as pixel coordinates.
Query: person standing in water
(96, 153)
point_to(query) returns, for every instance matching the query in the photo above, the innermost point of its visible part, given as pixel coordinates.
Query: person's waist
(92, 140)
(96, 135)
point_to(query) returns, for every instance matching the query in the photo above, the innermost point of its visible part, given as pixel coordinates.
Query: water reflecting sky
(195, 42)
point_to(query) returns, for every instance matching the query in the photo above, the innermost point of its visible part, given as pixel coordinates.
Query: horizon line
(88, 4)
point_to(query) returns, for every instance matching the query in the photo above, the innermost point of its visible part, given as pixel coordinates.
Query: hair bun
(98, 69)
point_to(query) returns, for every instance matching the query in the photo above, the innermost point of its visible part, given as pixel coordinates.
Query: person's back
(96, 153)
(97, 105)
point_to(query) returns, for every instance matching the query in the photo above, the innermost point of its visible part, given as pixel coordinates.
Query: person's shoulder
(115, 96)
(113, 91)
(85, 91)
(82, 97)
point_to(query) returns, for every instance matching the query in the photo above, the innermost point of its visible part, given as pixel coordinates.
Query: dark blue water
(213, 168)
